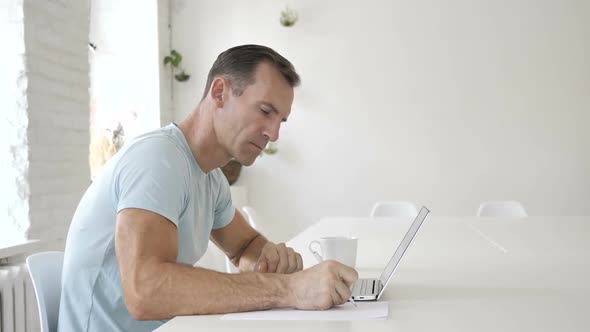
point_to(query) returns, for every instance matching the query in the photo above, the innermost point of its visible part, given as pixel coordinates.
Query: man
(149, 214)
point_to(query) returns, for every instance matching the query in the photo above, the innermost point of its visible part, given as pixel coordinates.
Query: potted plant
(288, 17)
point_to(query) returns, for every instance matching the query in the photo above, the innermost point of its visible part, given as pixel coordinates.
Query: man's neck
(200, 134)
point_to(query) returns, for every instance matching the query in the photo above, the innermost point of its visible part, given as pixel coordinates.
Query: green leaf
(177, 59)
(174, 59)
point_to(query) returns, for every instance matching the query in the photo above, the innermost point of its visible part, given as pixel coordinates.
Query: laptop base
(366, 289)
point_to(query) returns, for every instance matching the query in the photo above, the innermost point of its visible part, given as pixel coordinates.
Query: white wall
(442, 103)
(56, 53)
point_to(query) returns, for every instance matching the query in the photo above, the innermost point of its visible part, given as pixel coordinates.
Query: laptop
(372, 289)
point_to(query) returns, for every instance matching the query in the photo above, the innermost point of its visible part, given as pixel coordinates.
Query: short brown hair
(238, 64)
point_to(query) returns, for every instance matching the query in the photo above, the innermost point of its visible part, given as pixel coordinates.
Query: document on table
(364, 311)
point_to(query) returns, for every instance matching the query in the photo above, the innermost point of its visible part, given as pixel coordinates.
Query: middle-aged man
(148, 216)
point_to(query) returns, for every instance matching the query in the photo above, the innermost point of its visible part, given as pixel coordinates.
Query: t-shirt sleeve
(153, 175)
(224, 209)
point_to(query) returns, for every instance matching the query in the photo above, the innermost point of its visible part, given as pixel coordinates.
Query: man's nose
(272, 131)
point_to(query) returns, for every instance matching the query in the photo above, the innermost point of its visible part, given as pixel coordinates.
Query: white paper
(364, 311)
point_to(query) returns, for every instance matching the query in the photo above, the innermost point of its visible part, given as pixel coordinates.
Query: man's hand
(278, 258)
(322, 286)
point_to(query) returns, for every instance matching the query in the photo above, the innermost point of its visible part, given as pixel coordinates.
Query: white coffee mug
(338, 248)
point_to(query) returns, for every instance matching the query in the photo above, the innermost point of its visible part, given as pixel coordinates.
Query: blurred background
(445, 104)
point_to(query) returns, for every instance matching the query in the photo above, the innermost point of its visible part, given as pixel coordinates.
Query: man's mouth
(256, 145)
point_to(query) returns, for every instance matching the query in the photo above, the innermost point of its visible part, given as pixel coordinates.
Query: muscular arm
(156, 287)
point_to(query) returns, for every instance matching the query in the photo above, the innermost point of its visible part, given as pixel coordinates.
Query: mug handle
(317, 256)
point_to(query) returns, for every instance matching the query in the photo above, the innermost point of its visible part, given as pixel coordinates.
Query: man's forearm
(247, 260)
(165, 290)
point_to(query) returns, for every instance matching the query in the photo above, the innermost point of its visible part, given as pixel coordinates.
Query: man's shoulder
(164, 135)
(160, 142)
(157, 153)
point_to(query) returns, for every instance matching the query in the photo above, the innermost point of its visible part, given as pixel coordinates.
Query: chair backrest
(400, 209)
(501, 209)
(45, 270)
(251, 216)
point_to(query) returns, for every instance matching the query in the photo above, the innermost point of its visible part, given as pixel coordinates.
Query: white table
(460, 274)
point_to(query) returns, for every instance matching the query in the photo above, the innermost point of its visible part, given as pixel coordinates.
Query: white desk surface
(459, 274)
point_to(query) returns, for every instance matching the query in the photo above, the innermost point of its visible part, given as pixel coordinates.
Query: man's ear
(219, 86)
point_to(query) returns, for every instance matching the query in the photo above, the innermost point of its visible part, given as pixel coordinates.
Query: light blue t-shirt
(155, 172)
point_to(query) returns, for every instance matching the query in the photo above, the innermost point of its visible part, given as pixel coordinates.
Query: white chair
(501, 209)
(250, 215)
(400, 209)
(45, 270)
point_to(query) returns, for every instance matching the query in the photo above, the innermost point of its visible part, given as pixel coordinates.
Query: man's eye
(265, 111)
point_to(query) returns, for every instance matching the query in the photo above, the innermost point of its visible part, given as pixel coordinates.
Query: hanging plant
(174, 59)
(288, 17)
(271, 148)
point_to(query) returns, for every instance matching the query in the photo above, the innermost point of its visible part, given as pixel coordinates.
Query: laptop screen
(403, 246)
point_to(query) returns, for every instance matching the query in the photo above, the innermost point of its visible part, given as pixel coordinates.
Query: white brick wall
(14, 162)
(56, 41)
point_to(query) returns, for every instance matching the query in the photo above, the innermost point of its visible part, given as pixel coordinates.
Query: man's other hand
(278, 258)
